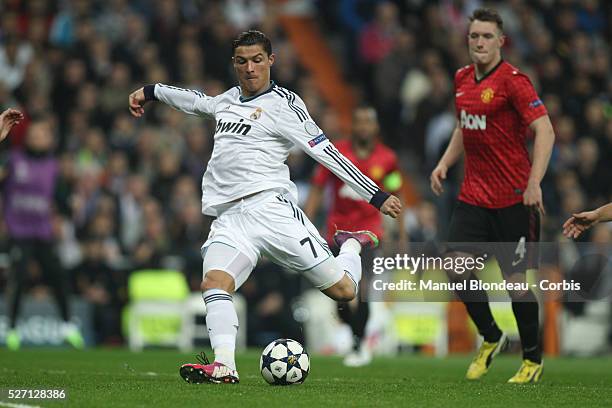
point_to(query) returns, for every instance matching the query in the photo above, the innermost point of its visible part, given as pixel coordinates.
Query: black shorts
(513, 233)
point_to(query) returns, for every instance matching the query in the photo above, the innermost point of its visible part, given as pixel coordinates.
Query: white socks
(350, 260)
(222, 324)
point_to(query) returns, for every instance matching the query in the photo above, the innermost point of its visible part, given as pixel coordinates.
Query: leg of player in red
(356, 312)
(348, 211)
(496, 106)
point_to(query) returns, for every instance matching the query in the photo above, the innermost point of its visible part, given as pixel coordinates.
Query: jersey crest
(257, 114)
(487, 95)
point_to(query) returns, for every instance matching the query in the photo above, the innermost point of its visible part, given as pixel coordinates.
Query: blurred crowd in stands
(405, 54)
(129, 191)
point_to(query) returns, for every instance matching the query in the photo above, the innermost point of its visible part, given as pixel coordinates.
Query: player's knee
(216, 279)
(458, 270)
(519, 295)
(342, 291)
(522, 295)
(344, 294)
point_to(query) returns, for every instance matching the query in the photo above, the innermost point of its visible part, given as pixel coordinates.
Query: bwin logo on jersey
(473, 122)
(232, 127)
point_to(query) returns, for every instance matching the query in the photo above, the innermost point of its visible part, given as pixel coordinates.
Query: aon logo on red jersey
(473, 122)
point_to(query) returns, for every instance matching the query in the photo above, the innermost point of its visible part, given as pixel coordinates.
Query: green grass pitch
(119, 378)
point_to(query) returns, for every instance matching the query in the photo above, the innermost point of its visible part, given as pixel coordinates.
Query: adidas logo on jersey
(473, 122)
(233, 127)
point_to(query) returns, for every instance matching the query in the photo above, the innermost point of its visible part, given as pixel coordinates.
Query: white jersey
(252, 140)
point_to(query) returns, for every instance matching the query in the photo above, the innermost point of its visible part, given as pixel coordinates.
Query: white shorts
(268, 224)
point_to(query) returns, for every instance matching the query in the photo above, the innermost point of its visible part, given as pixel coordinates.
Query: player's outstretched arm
(136, 102)
(449, 158)
(578, 223)
(8, 119)
(295, 124)
(185, 100)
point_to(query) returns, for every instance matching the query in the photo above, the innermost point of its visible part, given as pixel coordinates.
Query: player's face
(252, 65)
(484, 42)
(365, 125)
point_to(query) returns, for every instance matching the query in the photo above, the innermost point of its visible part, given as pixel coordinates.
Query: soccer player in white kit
(247, 187)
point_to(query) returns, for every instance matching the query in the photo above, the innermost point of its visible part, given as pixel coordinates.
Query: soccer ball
(284, 362)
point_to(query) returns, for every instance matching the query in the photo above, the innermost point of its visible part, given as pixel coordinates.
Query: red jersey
(494, 113)
(348, 211)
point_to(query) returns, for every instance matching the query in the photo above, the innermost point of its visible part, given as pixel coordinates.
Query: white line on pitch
(11, 405)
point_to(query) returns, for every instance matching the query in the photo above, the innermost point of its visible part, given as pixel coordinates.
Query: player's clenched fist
(437, 175)
(392, 207)
(136, 102)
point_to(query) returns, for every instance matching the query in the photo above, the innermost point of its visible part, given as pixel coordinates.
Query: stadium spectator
(29, 179)
(102, 286)
(15, 56)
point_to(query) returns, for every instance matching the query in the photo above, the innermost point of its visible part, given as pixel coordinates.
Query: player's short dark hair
(252, 37)
(367, 107)
(488, 14)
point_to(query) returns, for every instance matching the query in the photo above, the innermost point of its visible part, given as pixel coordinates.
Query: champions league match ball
(284, 362)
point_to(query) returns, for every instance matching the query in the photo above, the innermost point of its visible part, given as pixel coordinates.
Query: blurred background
(129, 190)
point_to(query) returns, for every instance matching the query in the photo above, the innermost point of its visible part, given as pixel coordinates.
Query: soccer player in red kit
(349, 212)
(500, 198)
